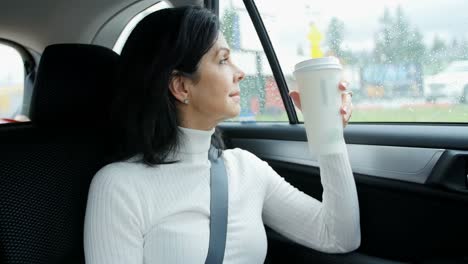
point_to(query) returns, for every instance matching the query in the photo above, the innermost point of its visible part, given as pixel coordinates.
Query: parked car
(450, 83)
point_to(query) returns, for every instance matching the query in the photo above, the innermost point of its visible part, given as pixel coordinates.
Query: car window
(133, 22)
(260, 98)
(406, 61)
(11, 84)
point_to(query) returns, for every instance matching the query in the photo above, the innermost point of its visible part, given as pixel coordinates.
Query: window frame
(122, 37)
(272, 60)
(29, 66)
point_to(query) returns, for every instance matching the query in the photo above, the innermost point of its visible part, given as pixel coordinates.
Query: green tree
(461, 52)
(334, 39)
(464, 50)
(437, 56)
(442, 53)
(227, 26)
(438, 45)
(396, 42)
(415, 48)
(334, 36)
(383, 51)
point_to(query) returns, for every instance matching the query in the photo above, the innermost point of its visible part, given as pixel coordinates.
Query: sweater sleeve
(112, 223)
(330, 226)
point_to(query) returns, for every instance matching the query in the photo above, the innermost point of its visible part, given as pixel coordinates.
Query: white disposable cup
(317, 81)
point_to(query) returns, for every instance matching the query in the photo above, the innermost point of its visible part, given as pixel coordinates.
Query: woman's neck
(189, 118)
(194, 144)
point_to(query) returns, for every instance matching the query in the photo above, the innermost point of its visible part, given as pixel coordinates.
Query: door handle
(451, 172)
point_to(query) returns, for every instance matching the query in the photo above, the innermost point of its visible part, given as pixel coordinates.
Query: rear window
(11, 85)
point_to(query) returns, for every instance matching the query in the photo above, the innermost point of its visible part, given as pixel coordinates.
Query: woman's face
(215, 95)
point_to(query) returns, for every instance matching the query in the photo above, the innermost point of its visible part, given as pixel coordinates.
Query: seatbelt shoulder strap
(219, 195)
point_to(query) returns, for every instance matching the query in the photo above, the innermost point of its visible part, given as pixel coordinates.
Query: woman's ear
(178, 87)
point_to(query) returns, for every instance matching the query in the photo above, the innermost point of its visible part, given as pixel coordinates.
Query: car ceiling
(36, 24)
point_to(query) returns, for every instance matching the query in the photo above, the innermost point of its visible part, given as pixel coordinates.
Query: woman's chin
(230, 112)
(236, 111)
(233, 113)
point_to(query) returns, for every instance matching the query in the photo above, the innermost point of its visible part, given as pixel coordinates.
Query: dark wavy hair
(144, 114)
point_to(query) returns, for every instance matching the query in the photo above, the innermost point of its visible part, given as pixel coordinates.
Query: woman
(177, 83)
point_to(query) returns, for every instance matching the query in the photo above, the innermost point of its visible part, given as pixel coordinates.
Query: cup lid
(319, 63)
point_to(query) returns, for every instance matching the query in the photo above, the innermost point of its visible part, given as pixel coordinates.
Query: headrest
(73, 85)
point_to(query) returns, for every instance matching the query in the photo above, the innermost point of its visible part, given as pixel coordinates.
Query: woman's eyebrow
(223, 48)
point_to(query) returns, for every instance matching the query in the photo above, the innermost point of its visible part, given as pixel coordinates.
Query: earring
(186, 101)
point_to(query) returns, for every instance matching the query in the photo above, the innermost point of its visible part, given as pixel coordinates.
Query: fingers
(346, 117)
(343, 86)
(346, 109)
(346, 97)
(346, 103)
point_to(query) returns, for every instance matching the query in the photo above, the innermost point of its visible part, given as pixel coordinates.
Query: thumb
(295, 96)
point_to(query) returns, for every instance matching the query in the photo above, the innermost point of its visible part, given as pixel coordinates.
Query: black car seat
(46, 165)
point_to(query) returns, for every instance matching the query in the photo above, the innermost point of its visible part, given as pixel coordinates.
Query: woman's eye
(223, 61)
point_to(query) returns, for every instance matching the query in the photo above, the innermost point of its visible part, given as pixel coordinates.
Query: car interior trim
(398, 163)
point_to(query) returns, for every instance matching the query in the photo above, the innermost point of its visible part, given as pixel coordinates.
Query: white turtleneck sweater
(140, 214)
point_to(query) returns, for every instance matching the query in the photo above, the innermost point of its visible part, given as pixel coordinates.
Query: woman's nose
(239, 75)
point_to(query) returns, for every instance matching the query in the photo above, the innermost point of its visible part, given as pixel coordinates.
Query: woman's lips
(235, 96)
(234, 93)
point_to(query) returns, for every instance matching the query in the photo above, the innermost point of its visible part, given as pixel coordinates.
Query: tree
(456, 50)
(438, 45)
(437, 56)
(415, 50)
(460, 50)
(230, 28)
(334, 39)
(396, 42)
(334, 36)
(383, 39)
(463, 51)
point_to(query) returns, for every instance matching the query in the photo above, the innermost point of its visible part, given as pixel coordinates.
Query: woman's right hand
(346, 99)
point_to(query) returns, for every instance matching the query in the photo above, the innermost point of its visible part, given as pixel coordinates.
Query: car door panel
(408, 214)
(400, 163)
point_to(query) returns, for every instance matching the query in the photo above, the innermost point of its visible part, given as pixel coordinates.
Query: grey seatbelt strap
(218, 208)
